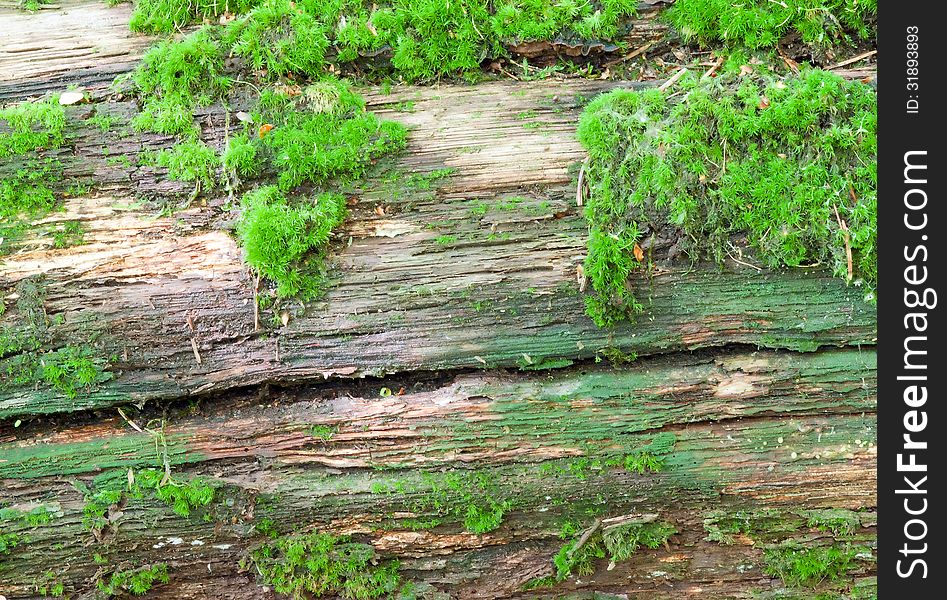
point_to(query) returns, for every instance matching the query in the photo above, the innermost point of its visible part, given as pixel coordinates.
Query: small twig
(853, 59)
(579, 188)
(129, 421)
(585, 537)
(848, 244)
(630, 56)
(673, 79)
(713, 69)
(256, 304)
(197, 355)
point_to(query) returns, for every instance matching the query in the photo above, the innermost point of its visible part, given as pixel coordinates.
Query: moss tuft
(191, 160)
(798, 566)
(320, 564)
(165, 16)
(285, 242)
(134, 581)
(762, 23)
(174, 77)
(618, 543)
(32, 126)
(765, 158)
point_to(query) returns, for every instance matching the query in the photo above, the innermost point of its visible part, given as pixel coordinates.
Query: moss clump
(177, 75)
(69, 234)
(798, 566)
(772, 159)
(425, 39)
(135, 581)
(329, 116)
(618, 543)
(8, 541)
(68, 370)
(165, 16)
(27, 193)
(32, 126)
(319, 564)
(26, 189)
(278, 39)
(32, 518)
(240, 157)
(762, 23)
(182, 496)
(760, 524)
(286, 242)
(190, 160)
(473, 499)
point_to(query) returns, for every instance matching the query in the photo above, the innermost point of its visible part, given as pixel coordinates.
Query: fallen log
(447, 411)
(764, 435)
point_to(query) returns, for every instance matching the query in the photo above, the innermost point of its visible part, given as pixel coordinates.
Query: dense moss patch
(284, 240)
(177, 75)
(28, 178)
(787, 163)
(424, 39)
(320, 564)
(759, 24)
(165, 16)
(798, 566)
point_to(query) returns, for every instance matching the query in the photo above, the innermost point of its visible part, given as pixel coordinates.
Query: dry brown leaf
(746, 70)
(764, 103)
(380, 210)
(265, 129)
(639, 253)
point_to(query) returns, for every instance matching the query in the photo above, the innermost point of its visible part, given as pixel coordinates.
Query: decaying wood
(753, 430)
(450, 330)
(403, 301)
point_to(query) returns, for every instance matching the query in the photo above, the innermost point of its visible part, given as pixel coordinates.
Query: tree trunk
(450, 366)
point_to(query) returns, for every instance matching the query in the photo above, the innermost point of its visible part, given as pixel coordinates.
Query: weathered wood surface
(404, 300)
(447, 320)
(753, 430)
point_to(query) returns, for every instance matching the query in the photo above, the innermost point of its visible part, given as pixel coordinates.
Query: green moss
(329, 116)
(135, 581)
(767, 158)
(838, 522)
(798, 566)
(240, 157)
(427, 40)
(68, 370)
(31, 126)
(182, 496)
(323, 432)
(9, 541)
(277, 39)
(166, 16)
(320, 564)
(472, 498)
(69, 234)
(758, 524)
(174, 77)
(32, 518)
(26, 193)
(286, 242)
(762, 23)
(480, 519)
(618, 543)
(190, 161)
